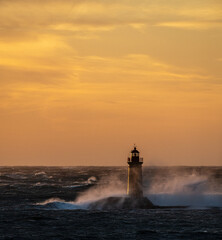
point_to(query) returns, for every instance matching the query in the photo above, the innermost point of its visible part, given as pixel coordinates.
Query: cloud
(41, 16)
(98, 77)
(191, 25)
(11, 76)
(88, 45)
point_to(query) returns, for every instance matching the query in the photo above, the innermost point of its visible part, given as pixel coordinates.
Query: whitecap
(75, 186)
(59, 204)
(40, 173)
(92, 179)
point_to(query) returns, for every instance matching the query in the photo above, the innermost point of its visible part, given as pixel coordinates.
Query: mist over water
(107, 186)
(195, 188)
(185, 186)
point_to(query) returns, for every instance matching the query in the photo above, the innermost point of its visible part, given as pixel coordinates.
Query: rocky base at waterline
(122, 203)
(126, 203)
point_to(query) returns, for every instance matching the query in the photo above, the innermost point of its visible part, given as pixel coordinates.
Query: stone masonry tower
(134, 186)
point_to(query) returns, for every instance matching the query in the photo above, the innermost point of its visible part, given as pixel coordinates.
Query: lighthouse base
(122, 203)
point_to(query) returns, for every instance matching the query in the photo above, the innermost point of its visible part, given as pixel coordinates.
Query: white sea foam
(40, 173)
(90, 181)
(59, 204)
(76, 186)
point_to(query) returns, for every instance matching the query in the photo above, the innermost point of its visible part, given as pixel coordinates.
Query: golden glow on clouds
(191, 25)
(81, 81)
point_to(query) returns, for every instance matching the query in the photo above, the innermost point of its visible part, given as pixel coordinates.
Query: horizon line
(108, 166)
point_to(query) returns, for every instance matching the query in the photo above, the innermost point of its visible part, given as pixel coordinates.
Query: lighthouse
(134, 186)
(135, 198)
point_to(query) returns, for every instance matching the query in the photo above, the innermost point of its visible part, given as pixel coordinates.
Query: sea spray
(59, 204)
(191, 190)
(172, 189)
(107, 186)
(178, 184)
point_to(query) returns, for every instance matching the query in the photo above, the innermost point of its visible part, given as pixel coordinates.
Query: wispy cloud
(191, 25)
(21, 15)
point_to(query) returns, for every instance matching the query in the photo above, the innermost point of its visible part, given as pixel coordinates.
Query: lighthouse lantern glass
(135, 154)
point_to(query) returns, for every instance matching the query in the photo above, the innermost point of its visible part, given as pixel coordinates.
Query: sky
(83, 80)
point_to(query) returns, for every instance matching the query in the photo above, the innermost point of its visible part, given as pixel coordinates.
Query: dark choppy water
(51, 203)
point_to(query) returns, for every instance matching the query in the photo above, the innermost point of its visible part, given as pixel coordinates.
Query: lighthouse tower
(134, 186)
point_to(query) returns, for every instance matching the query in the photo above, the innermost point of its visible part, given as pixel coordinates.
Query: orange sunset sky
(83, 80)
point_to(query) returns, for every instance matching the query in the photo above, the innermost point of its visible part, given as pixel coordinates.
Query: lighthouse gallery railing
(130, 160)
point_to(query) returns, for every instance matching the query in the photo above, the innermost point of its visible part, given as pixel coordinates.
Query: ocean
(53, 203)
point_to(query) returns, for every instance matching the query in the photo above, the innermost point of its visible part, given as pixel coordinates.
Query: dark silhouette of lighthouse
(135, 198)
(134, 186)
